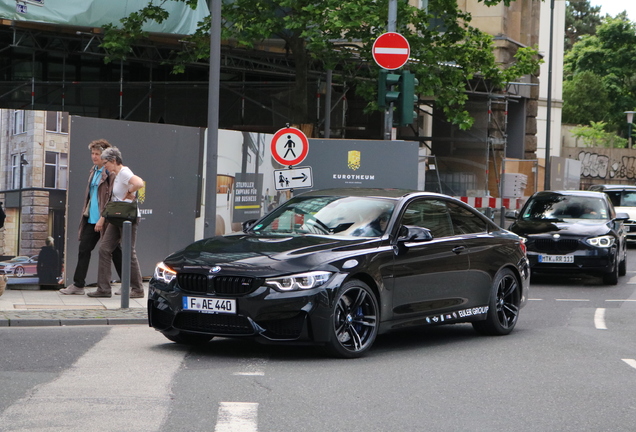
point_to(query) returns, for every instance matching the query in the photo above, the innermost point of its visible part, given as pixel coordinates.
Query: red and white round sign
(289, 146)
(391, 50)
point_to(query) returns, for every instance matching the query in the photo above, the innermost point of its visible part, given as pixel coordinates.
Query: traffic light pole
(388, 110)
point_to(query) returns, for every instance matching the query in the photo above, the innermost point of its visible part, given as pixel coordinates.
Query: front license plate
(210, 305)
(564, 259)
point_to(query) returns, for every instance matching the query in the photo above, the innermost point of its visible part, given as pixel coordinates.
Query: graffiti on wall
(601, 166)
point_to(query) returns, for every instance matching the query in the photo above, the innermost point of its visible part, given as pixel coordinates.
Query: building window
(57, 121)
(19, 122)
(56, 170)
(15, 171)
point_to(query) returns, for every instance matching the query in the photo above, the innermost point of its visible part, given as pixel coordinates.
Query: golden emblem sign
(353, 161)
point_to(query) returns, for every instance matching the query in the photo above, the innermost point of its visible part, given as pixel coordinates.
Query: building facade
(34, 165)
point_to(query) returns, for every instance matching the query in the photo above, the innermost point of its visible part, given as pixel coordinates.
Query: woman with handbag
(124, 190)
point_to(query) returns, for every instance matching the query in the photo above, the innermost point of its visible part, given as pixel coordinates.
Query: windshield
(329, 215)
(622, 198)
(558, 207)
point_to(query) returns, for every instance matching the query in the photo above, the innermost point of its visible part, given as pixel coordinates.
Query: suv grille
(561, 246)
(220, 285)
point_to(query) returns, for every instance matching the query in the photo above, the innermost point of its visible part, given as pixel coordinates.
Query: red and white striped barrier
(483, 202)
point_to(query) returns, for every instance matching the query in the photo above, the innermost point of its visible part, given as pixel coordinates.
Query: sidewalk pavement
(31, 306)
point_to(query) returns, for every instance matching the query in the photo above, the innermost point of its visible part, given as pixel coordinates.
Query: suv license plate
(209, 305)
(558, 259)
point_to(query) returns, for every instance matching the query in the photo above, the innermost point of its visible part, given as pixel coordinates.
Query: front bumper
(591, 261)
(265, 314)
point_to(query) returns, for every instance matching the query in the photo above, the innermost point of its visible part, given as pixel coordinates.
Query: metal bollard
(126, 254)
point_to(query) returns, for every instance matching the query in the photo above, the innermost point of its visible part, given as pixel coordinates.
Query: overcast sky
(614, 7)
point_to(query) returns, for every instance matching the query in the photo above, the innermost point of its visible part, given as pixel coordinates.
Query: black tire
(354, 320)
(622, 267)
(19, 271)
(189, 338)
(612, 277)
(503, 310)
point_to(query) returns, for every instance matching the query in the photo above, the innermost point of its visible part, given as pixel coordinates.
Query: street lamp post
(546, 180)
(23, 162)
(630, 118)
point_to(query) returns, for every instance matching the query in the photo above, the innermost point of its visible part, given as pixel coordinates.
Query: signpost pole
(388, 111)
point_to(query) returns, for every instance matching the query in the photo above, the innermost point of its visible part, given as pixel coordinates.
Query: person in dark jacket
(48, 265)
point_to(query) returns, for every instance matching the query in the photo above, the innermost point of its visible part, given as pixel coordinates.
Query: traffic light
(405, 113)
(398, 89)
(386, 93)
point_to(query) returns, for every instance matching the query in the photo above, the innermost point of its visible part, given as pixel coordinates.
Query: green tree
(338, 35)
(585, 99)
(611, 56)
(581, 18)
(595, 136)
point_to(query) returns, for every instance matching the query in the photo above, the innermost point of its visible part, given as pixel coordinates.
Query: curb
(57, 318)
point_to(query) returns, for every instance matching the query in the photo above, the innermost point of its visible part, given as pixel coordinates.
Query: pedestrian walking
(48, 268)
(125, 188)
(97, 194)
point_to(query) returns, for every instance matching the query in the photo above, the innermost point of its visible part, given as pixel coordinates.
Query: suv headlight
(164, 273)
(602, 241)
(300, 281)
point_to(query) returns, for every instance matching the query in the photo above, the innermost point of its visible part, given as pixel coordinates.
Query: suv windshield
(562, 207)
(622, 198)
(328, 215)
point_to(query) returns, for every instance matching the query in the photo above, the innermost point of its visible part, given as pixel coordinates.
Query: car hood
(265, 256)
(580, 227)
(631, 211)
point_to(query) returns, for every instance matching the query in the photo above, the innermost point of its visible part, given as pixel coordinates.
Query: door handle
(459, 249)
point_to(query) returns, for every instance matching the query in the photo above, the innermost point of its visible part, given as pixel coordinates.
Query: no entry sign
(391, 50)
(289, 146)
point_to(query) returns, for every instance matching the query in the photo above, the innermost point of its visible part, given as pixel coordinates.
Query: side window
(431, 214)
(466, 221)
(615, 197)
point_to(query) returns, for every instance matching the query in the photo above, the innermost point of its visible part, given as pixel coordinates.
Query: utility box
(514, 185)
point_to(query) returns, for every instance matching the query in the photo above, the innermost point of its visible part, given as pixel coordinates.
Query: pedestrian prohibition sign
(289, 146)
(391, 50)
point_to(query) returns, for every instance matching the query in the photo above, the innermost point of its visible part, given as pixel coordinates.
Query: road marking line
(252, 367)
(630, 362)
(599, 319)
(237, 417)
(573, 300)
(625, 300)
(535, 299)
(632, 281)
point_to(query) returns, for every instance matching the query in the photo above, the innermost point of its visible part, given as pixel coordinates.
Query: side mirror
(622, 216)
(247, 224)
(410, 233)
(511, 214)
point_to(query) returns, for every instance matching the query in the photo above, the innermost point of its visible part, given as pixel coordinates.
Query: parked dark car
(20, 266)
(337, 267)
(623, 197)
(574, 232)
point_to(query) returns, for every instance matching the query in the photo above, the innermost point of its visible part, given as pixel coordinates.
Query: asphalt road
(570, 365)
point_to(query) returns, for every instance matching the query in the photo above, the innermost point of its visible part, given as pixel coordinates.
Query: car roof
(613, 187)
(369, 192)
(581, 193)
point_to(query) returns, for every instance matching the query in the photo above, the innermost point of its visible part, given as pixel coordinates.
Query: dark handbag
(118, 212)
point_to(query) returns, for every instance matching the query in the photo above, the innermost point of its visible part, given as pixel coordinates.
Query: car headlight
(164, 273)
(602, 241)
(300, 281)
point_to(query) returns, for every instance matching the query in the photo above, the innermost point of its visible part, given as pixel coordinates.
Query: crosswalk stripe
(121, 383)
(237, 417)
